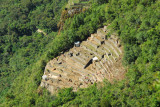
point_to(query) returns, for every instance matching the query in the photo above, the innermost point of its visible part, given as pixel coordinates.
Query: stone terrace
(76, 68)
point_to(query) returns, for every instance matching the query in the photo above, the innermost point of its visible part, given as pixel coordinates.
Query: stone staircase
(76, 68)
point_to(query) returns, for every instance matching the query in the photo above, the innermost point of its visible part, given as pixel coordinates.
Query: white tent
(95, 59)
(44, 77)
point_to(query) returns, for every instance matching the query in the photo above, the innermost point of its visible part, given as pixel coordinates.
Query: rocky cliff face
(96, 59)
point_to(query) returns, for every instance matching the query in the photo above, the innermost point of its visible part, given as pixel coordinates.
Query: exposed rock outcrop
(96, 59)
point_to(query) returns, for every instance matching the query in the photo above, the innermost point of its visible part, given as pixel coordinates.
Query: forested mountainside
(24, 51)
(20, 43)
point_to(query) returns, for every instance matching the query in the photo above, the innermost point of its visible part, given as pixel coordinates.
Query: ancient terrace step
(93, 61)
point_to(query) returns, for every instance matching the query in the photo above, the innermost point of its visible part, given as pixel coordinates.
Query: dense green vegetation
(20, 44)
(24, 52)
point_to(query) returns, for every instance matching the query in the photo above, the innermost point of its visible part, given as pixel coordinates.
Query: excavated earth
(96, 59)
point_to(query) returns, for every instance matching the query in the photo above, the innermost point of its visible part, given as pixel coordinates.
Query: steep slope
(136, 23)
(20, 44)
(96, 59)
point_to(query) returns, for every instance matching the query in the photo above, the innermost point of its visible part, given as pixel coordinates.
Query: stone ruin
(96, 59)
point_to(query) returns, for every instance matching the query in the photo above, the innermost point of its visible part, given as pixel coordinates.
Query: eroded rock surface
(96, 59)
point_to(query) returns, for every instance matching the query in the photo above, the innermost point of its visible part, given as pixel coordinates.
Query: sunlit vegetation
(25, 52)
